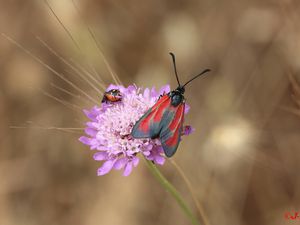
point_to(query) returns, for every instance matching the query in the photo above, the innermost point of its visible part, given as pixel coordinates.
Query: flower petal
(146, 153)
(106, 167)
(92, 114)
(146, 93)
(99, 156)
(103, 148)
(135, 161)
(128, 169)
(131, 88)
(186, 108)
(159, 159)
(85, 140)
(90, 131)
(164, 89)
(153, 93)
(120, 163)
(187, 130)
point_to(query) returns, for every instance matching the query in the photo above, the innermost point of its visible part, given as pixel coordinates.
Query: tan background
(243, 159)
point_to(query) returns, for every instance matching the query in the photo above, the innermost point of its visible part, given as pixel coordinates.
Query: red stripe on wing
(144, 125)
(175, 126)
(156, 112)
(161, 109)
(178, 116)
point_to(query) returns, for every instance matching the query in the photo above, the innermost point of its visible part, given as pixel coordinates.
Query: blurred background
(242, 159)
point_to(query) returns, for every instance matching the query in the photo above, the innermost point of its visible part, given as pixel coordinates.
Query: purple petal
(164, 89)
(94, 142)
(186, 109)
(153, 93)
(99, 156)
(128, 169)
(135, 161)
(131, 88)
(87, 113)
(187, 130)
(93, 113)
(160, 160)
(150, 157)
(106, 167)
(90, 131)
(92, 124)
(85, 140)
(103, 148)
(149, 147)
(146, 93)
(120, 163)
(146, 153)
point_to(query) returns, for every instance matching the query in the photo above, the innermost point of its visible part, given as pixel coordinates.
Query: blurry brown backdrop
(243, 158)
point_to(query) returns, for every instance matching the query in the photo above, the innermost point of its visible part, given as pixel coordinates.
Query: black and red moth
(165, 119)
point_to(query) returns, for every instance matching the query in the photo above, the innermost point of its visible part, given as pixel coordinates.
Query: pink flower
(109, 128)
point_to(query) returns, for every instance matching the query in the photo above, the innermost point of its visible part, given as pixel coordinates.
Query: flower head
(110, 126)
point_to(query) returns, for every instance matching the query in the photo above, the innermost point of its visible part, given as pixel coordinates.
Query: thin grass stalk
(172, 190)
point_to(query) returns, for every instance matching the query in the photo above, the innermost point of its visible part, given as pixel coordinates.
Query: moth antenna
(174, 64)
(203, 72)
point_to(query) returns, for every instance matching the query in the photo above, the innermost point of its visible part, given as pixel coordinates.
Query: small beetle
(113, 95)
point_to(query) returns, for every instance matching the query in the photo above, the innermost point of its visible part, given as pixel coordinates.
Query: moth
(164, 120)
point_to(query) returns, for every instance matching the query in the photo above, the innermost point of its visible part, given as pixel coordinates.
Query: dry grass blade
(32, 125)
(115, 77)
(49, 67)
(295, 95)
(65, 91)
(68, 33)
(65, 103)
(192, 192)
(74, 68)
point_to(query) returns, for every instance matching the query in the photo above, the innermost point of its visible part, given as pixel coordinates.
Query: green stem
(171, 189)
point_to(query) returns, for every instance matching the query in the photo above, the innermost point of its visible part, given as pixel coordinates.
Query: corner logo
(293, 215)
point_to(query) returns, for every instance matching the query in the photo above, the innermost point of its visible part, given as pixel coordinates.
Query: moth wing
(149, 125)
(171, 129)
